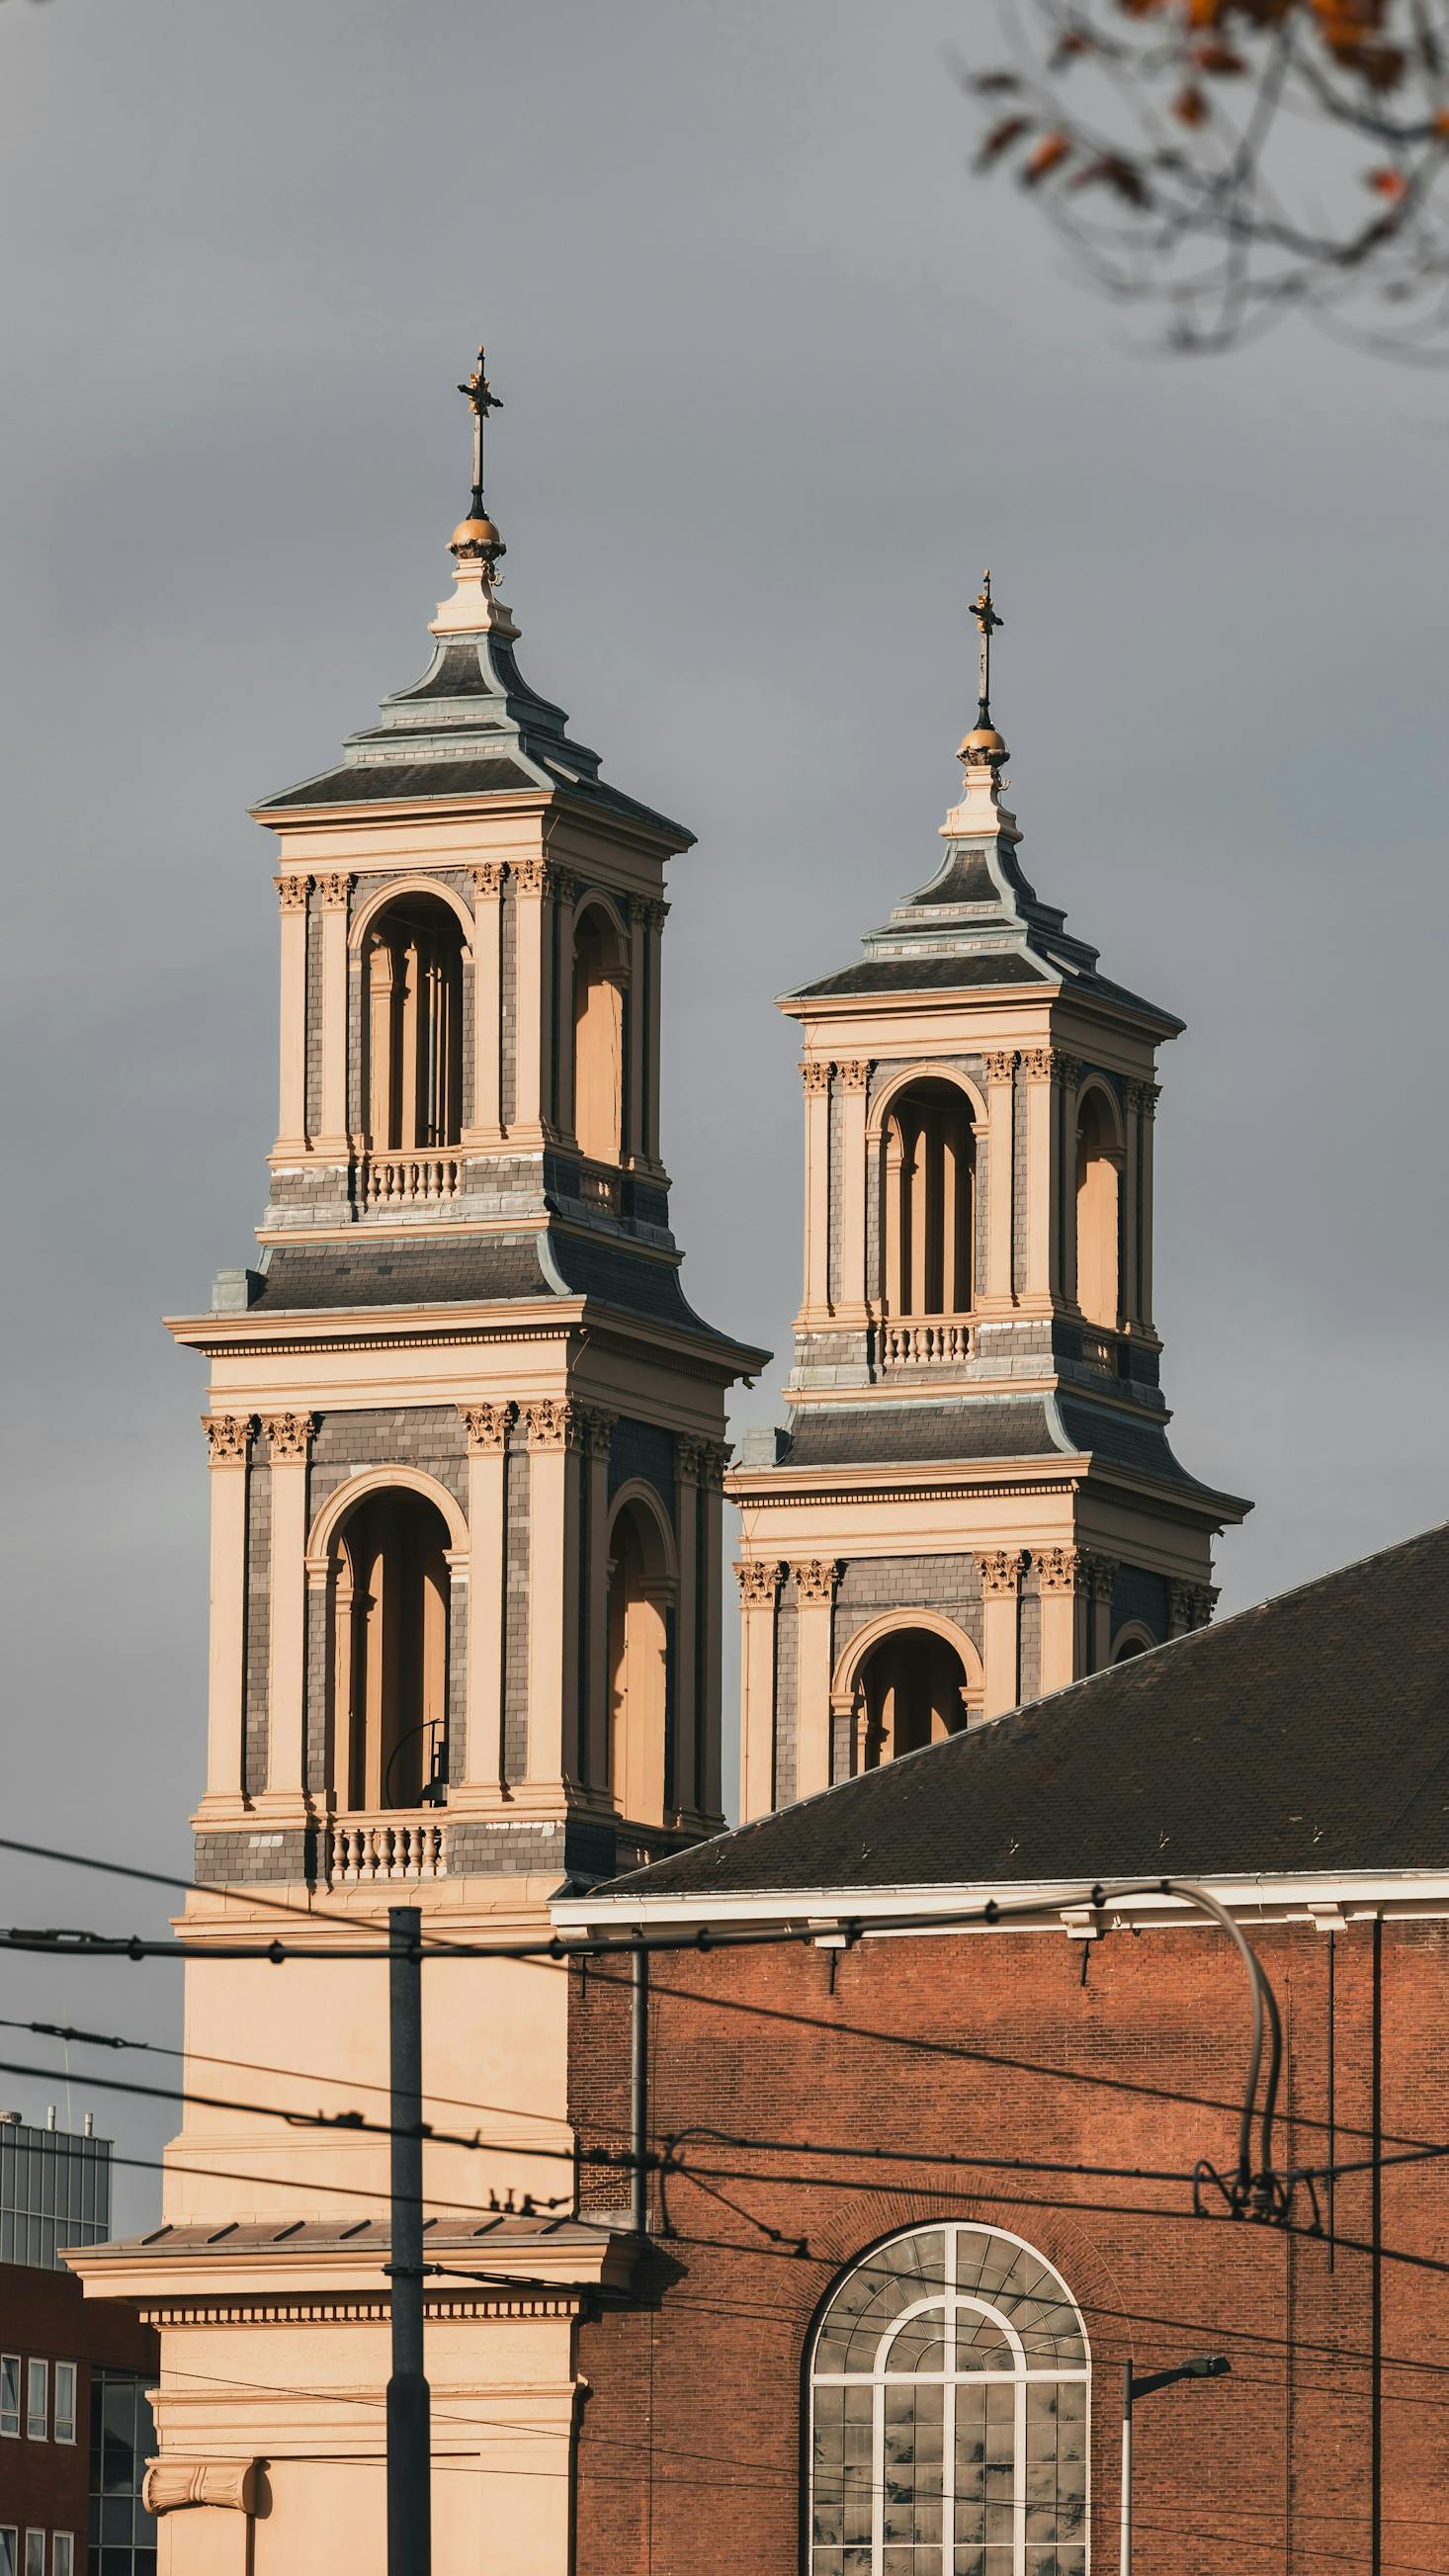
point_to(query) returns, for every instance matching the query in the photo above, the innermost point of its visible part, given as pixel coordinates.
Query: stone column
(486, 1127)
(565, 896)
(817, 1187)
(1000, 1186)
(1061, 1573)
(1101, 1573)
(333, 892)
(1148, 1094)
(634, 1117)
(1069, 1078)
(1001, 1569)
(709, 1786)
(292, 1068)
(228, 1437)
(853, 1081)
(1043, 1162)
(655, 914)
(815, 1608)
(688, 1468)
(555, 1429)
(487, 1428)
(759, 1601)
(532, 995)
(289, 1441)
(600, 1440)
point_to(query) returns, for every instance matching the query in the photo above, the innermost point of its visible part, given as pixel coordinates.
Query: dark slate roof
(1308, 1734)
(1142, 1445)
(862, 1435)
(381, 781)
(966, 878)
(476, 1269)
(928, 974)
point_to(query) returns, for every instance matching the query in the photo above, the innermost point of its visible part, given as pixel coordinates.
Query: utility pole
(409, 2411)
(1135, 2384)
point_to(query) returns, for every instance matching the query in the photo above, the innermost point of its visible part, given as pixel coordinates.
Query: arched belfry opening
(912, 1689)
(601, 969)
(391, 1595)
(414, 1022)
(928, 1179)
(641, 1594)
(1099, 1165)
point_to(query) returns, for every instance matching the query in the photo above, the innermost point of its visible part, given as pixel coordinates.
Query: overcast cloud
(779, 378)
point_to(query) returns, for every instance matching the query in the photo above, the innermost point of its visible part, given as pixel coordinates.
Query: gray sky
(779, 378)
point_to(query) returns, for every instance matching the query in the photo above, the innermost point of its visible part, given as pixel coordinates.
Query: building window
(600, 971)
(65, 2401)
(391, 1649)
(912, 1690)
(641, 1589)
(929, 1183)
(949, 2413)
(9, 2543)
(9, 2400)
(35, 2553)
(37, 2393)
(123, 2439)
(1099, 1165)
(62, 2553)
(415, 1027)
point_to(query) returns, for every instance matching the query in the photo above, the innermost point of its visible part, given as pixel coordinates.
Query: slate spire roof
(1307, 1735)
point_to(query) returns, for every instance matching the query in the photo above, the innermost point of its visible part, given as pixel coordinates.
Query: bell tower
(466, 1447)
(975, 1501)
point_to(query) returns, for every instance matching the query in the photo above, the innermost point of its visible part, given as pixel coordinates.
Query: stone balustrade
(410, 1180)
(368, 1849)
(936, 1341)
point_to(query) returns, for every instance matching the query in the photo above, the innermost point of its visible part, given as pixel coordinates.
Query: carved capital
(599, 1427)
(703, 1462)
(1000, 1064)
(1144, 1096)
(565, 886)
(289, 1437)
(227, 1438)
(815, 1583)
(1001, 1569)
(530, 876)
(1038, 1063)
(1070, 1070)
(169, 2484)
(554, 1423)
(1060, 1568)
(816, 1078)
(488, 878)
(1099, 1570)
(487, 1425)
(1192, 1605)
(688, 1458)
(854, 1077)
(759, 1584)
(333, 892)
(654, 913)
(292, 892)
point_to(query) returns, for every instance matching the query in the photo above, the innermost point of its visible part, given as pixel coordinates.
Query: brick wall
(1328, 2447)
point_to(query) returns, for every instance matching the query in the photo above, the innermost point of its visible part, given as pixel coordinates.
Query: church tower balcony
(975, 1501)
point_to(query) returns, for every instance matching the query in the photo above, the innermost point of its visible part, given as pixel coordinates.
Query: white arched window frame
(950, 2413)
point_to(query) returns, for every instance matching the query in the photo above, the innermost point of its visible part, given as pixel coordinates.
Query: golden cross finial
(984, 612)
(481, 399)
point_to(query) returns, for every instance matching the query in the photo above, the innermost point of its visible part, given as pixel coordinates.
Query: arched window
(929, 1178)
(414, 1027)
(911, 1690)
(949, 2414)
(600, 973)
(640, 1591)
(391, 1644)
(1098, 1174)
(1131, 1640)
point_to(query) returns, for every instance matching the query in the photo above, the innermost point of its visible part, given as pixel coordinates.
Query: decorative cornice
(1001, 1570)
(227, 1438)
(759, 1584)
(554, 1423)
(816, 1077)
(292, 892)
(1060, 1568)
(1000, 1064)
(289, 1437)
(856, 1076)
(334, 891)
(169, 2484)
(487, 1425)
(488, 877)
(815, 1582)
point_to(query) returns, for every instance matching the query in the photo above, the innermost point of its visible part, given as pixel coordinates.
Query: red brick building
(924, 2193)
(74, 2429)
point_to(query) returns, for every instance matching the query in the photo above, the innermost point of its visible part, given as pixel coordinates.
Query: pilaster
(1001, 1570)
(709, 1786)
(599, 1436)
(759, 1606)
(532, 994)
(1101, 1574)
(487, 1427)
(1061, 1574)
(565, 891)
(1043, 1176)
(333, 893)
(816, 1077)
(292, 1065)
(228, 1441)
(634, 1121)
(853, 1079)
(289, 1440)
(555, 1431)
(688, 1466)
(815, 1584)
(1069, 1083)
(1147, 1095)
(996, 1297)
(656, 913)
(487, 1125)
